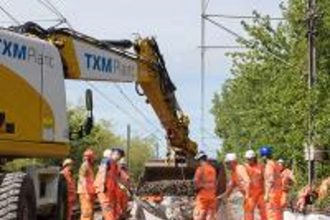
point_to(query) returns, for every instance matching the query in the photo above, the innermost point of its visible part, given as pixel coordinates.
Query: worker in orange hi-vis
(239, 178)
(305, 195)
(255, 200)
(106, 183)
(287, 182)
(205, 185)
(324, 188)
(86, 189)
(71, 186)
(124, 188)
(273, 185)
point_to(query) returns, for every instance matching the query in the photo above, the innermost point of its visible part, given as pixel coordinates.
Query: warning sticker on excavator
(98, 64)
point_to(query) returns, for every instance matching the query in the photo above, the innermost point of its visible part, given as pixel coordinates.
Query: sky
(176, 26)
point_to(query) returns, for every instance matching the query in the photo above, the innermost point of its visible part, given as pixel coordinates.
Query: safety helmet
(281, 161)
(89, 154)
(67, 162)
(119, 150)
(107, 153)
(250, 154)
(201, 155)
(265, 151)
(230, 157)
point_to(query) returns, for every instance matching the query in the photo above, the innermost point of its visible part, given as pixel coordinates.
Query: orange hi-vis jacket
(273, 179)
(112, 177)
(205, 181)
(324, 188)
(256, 174)
(122, 194)
(86, 179)
(274, 191)
(106, 187)
(255, 199)
(106, 178)
(287, 179)
(101, 175)
(71, 184)
(240, 179)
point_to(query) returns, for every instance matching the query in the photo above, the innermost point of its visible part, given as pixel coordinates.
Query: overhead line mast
(312, 77)
(202, 119)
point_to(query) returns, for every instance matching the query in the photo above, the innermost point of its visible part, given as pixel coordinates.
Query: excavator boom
(85, 58)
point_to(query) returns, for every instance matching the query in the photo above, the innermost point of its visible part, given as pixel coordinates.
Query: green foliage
(102, 137)
(140, 152)
(267, 100)
(21, 164)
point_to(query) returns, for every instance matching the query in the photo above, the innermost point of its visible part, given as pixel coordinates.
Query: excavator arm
(157, 86)
(85, 58)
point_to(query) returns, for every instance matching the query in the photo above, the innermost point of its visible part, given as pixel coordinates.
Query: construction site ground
(231, 210)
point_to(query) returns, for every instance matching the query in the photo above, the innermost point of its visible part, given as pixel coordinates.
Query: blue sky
(176, 26)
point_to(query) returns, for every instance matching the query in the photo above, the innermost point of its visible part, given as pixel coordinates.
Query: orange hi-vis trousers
(273, 206)
(70, 206)
(86, 206)
(205, 208)
(284, 199)
(255, 200)
(108, 206)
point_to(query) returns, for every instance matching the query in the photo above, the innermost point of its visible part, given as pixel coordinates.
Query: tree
(102, 137)
(140, 151)
(267, 100)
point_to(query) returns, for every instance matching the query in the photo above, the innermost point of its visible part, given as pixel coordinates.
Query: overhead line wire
(241, 17)
(228, 30)
(9, 15)
(102, 94)
(57, 12)
(126, 97)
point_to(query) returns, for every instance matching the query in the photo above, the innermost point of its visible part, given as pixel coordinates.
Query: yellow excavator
(34, 64)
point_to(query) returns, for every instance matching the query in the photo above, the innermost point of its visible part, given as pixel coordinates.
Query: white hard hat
(250, 154)
(280, 161)
(67, 162)
(107, 153)
(230, 157)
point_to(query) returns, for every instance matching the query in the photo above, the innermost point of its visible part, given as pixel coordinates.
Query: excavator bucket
(174, 179)
(157, 170)
(161, 177)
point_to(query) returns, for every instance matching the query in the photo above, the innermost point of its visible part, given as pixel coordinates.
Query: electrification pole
(202, 120)
(128, 144)
(311, 84)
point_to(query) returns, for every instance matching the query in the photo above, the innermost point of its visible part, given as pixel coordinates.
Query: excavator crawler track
(17, 197)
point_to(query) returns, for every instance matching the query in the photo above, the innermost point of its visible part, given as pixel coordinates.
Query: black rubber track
(17, 197)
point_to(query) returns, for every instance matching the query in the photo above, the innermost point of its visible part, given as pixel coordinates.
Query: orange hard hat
(89, 153)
